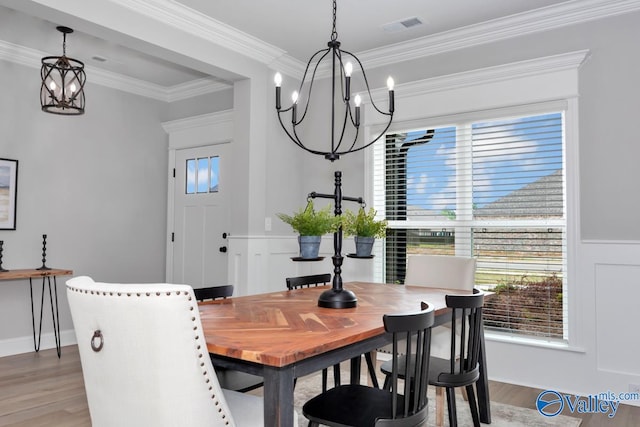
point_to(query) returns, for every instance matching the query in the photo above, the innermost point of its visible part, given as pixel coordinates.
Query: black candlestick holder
(337, 296)
(44, 253)
(1, 249)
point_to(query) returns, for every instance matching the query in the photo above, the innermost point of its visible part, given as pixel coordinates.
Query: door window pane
(191, 176)
(214, 174)
(203, 175)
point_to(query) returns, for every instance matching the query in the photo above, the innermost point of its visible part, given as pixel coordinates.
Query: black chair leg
(324, 380)
(473, 406)
(372, 369)
(387, 383)
(451, 406)
(336, 375)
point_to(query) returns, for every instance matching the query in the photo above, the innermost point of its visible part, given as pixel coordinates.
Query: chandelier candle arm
(390, 85)
(277, 79)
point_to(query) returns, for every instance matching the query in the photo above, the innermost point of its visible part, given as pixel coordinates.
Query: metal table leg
(55, 314)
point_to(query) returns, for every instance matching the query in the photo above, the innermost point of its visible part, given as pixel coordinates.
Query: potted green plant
(365, 228)
(311, 224)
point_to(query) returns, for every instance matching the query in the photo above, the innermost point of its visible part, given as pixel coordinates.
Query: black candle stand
(44, 254)
(337, 296)
(2, 270)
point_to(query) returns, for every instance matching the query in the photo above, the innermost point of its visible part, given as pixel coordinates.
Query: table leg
(356, 366)
(482, 385)
(55, 315)
(278, 397)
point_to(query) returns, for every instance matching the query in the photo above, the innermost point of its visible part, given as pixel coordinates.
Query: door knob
(223, 249)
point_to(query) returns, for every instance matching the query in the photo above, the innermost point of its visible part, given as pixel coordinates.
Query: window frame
(553, 84)
(458, 139)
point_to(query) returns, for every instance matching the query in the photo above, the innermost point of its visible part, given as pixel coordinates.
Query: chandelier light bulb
(294, 96)
(357, 100)
(72, 87)
(277, 79)
(348, 69)
(52, 85)
(390, 83)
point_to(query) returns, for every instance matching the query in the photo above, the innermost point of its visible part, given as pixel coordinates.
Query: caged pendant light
(342, 68)
(63, 79)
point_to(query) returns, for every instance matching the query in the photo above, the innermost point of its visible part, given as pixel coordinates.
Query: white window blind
(491, 189)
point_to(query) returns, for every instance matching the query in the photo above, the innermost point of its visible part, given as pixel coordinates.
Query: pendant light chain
(334, 32)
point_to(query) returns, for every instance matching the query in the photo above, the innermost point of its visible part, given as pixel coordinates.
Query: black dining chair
(213, 292)
(405, 402)
(461, 368)
(228, 378)
(307, 282)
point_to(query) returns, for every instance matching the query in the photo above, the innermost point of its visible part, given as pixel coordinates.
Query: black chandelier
(341, 71)
(63, 78)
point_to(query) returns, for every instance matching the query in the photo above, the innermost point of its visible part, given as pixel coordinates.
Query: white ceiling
(296, 27)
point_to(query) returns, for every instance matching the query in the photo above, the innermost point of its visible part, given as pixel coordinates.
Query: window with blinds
(493, 190)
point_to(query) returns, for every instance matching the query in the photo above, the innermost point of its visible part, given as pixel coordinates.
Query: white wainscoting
(603, 353)
(259, 264)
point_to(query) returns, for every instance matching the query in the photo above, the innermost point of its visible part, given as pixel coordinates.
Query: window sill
(532, 342)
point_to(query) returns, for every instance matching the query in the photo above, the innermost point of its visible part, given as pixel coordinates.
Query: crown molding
(548, 64)
(543, 19)
(32, 58)
(210, 119)
(194, 88)
(175, 14)
(203, 26)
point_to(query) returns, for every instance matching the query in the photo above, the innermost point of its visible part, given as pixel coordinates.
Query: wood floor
(38, 389)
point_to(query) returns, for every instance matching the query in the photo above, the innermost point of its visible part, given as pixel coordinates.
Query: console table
(46, 275)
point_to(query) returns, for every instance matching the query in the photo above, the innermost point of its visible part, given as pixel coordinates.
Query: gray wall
(95, 184)
(609, 105)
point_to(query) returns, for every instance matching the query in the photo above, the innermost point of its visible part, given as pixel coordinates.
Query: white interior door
(201, 216)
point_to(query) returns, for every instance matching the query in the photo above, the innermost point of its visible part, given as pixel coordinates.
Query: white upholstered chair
(448, 272)
(441, 271)
(145, 360)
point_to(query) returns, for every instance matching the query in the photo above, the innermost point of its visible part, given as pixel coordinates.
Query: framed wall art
(8, 193)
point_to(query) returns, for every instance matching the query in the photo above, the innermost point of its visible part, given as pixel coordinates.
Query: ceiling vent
(402, 25)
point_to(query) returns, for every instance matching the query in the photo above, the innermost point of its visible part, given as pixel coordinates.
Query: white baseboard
(19, 345)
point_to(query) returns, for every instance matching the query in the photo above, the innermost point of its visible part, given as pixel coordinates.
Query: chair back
(308, 281)
(144, 357)
(409, 398)
(441, 271)
(213, 292)
(466, 327)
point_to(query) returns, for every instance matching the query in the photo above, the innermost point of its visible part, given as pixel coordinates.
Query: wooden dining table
(285, 335)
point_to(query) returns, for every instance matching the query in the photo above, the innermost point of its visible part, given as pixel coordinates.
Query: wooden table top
(27, 273)
(280, 328)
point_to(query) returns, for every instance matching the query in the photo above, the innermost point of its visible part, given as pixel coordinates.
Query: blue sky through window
(507, 156)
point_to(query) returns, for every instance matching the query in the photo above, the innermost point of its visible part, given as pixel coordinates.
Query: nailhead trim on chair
(205, 374)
